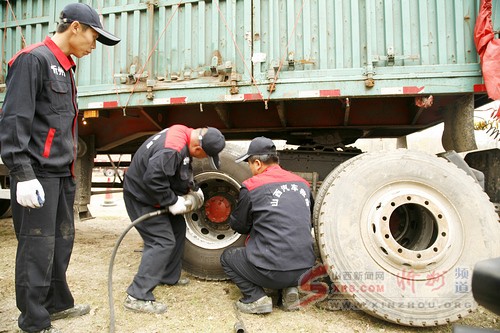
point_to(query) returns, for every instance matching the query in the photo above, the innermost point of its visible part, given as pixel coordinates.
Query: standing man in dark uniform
(274, 208)
(38, 135)
(158, 177)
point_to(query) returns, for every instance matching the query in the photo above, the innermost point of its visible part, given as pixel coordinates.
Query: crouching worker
(274, 208)
(158, 177)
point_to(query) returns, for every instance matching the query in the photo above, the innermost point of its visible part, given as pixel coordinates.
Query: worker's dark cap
(85, 14)
(259, 146)
(212, 143)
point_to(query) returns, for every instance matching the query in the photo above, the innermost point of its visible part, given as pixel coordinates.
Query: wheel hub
(409, 228)
(207, 227)
(217, 209)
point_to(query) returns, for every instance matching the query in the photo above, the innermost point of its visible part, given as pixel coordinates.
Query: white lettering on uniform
(150, 143)
(277, 193)
(57, 70)
(285, 188)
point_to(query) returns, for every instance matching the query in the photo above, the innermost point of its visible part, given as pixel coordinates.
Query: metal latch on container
(149, 89)
(132, 76)
(291, 61)
(224, 72)
(391, 57)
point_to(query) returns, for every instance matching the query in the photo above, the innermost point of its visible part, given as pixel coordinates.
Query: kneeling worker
(274, 208)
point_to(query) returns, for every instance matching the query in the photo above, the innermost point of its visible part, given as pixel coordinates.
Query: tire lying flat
(399, 233)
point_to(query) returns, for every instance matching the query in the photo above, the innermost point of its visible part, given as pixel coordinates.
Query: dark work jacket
(275, 208)
(38, 129)
(161, 168)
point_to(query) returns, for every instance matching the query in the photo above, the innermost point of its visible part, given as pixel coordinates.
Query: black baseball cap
(259, 146)
(85, 14)
(212, 143)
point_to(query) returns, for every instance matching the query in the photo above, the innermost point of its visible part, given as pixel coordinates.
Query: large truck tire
(5, 210)
(322, 191)
(399, 233)
(208, 233)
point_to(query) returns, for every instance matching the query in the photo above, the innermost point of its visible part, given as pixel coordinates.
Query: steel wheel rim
(430, 229)
(200, 230)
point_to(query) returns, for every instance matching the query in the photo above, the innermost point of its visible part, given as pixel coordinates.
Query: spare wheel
(399, 233)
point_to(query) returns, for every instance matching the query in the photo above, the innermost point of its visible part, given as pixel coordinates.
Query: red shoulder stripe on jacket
(27, 49)
(177, 137)
(273, 174)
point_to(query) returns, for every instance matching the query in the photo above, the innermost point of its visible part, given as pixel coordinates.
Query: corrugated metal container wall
(22, 23)
(171, 40)
(308, 42)
(354, 35)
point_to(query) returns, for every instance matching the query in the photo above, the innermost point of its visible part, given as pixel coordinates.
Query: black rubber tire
(202, 251)
(5, 210)
(413, 220)
(322, 191)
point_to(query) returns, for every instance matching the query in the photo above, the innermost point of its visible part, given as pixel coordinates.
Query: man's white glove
(179, 207)
(30, 194)
(200, 193)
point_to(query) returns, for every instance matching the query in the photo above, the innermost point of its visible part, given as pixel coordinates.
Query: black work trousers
(251, 279)
(45, 241)
(164, 237)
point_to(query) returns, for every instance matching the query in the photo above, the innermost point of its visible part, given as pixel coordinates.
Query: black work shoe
(75, 311)
(290, 299)
(262, 305)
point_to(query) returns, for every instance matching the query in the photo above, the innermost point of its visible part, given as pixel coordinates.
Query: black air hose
(112, 261)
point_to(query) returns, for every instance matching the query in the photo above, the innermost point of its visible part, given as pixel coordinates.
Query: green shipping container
(344, 60)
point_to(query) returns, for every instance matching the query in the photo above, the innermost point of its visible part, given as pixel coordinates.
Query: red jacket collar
(65, 61)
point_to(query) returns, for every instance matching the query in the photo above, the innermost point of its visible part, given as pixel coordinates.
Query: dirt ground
(201, 306)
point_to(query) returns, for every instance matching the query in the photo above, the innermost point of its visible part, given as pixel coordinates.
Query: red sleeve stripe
(48, 142)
